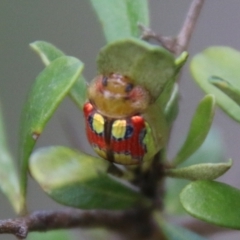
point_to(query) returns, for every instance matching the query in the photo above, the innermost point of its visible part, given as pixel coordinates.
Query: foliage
(79, 180)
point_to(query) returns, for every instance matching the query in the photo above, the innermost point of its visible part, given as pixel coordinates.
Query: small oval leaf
(168, 99)
(9, 181)
(199, 129)
(146, 65)
(222, 62)
(213, 147)
(49, 89)
(204, 171)
(49, 53)
(120, 18)
(213, 202)
(157, 122)
(231, 91)
(171, 108)
(46, 51)
(78, 92)
(181, 60)
(79, 180)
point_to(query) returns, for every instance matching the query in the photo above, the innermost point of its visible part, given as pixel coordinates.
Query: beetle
(115, 127)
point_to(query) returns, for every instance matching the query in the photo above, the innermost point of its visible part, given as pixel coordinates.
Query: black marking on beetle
(129, 131)
(129, 87)
(105, 81)
(107, 137)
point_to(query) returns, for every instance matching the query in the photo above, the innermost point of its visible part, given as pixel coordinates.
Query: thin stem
(180, 43)
(47, 220)
(185, 33)
(165, 41)
(134, 224)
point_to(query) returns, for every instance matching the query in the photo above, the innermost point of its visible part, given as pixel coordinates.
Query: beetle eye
(129, 87)
(104, 81)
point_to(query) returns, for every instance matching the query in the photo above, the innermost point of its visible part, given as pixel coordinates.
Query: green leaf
(120, 18)
(212, 150)
(9, 182)
(49, 53)
(222, 62)
(171, 108)
(213, 202)
(199, 129)
(173, 232)
(79, 180)
(50, 235)
(227, 88)
(181, 60)
(46, 51)
(49, 89)
(78, 92)
(171, 199)
(157, 122)
(169, 97)
(204, 171)
(159, 130)
(146, 65)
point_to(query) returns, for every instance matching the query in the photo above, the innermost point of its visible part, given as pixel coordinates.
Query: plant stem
(180, 43)
(120, 221)
(185, 33)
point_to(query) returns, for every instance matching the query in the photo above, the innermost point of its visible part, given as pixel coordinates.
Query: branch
(185, 33)
(180, 43)
(166, 41)
(69, 218)
(131, 222)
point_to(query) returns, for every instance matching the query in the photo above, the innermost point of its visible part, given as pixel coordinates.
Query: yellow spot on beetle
(124, 159)
(100, 152)
(98, 123)
(119, 129)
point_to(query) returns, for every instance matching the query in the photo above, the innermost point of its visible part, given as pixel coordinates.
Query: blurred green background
(73, 27)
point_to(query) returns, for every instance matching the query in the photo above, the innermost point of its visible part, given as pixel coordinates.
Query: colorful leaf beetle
(114, 125)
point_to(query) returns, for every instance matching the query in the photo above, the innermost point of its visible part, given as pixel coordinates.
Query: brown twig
(180, 43)
(47, 220)
(134, 224)
(166, 41)
(185, 33)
